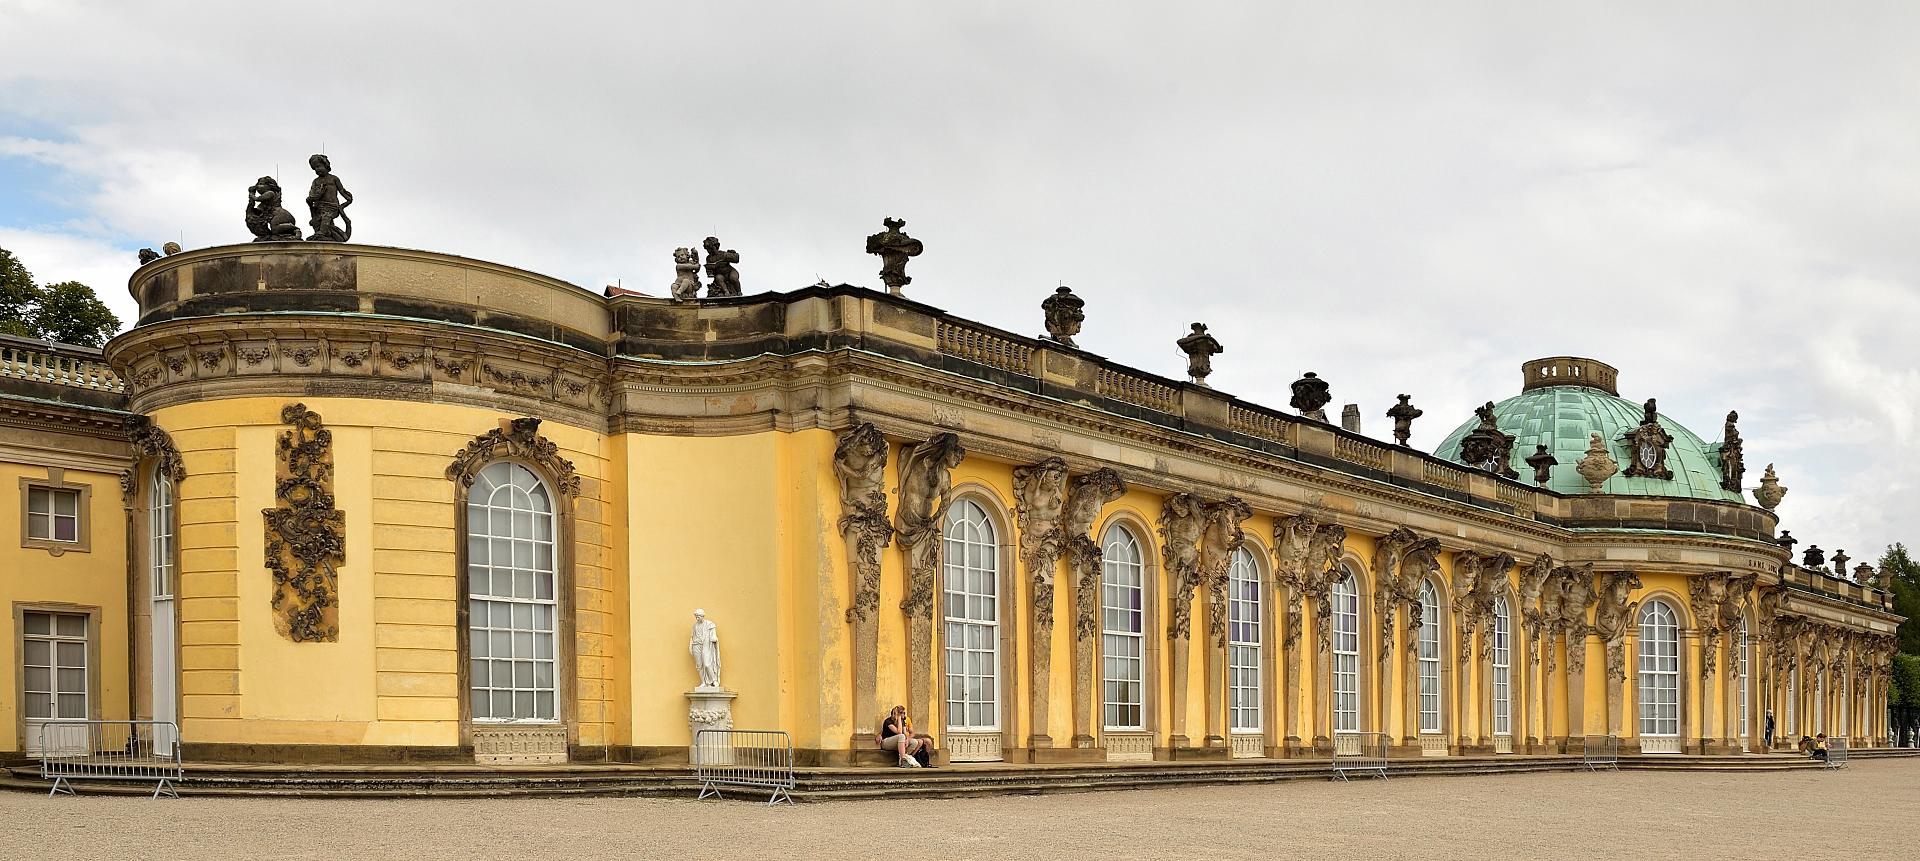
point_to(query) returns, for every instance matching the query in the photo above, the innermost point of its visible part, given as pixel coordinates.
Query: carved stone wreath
(517, 438)
(306, 535)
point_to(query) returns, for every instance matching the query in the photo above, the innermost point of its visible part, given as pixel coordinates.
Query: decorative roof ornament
(1597, 466)
(1487, 447)
(1647, 447)
(327, 199)
(148, 255)
(1733, 465)
(1403, 414)
(1769, 493)
(171, 248)
(266, 217)
(894, 248)
(1064, 315)
(1310, 395)
(1787, 541)
(1865, 576)
(726, 279)
(1543, 463)
(1814, 557)
(686, 275)
(1840, 562)
(1200, 348)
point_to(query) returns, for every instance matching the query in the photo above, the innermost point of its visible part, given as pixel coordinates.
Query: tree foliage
(67, 312)
(1906, 681)
(1902, 575)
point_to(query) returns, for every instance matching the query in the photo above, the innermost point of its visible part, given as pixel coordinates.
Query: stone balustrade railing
(1363, 453)
(57, 364)
(1443, 476)
(1259, 424)
(1134, 390)
(984, 347)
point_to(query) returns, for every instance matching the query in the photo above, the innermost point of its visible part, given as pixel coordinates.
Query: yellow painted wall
(94, 579)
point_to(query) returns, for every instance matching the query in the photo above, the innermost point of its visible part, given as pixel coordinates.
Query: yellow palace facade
(344, 503)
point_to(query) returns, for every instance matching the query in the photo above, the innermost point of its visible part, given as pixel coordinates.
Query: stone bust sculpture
(704, 645)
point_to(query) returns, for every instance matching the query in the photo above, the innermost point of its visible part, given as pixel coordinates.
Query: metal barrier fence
(1836, 752)
(111, 750)
(1359, 751)
(1600, 751)
(761, 759)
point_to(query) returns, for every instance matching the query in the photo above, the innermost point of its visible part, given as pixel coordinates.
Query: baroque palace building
(334, 502)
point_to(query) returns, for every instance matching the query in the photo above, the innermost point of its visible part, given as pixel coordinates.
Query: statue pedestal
(709, 708)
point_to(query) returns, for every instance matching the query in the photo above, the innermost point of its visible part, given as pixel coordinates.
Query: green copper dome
(1564, 402)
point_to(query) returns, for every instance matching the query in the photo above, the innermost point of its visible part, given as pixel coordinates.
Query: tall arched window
(1346, 655)
(1243, 639)
(972, 618)
(1123, 630)
(1744, 657)
(1820, 698)
(1793, 699)
(1659, 670)
(1429, 657)
(511, 618)
(161, 566)
(1502, 673)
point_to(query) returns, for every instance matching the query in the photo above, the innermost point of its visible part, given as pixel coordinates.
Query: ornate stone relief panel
(149, 442)
(514, 438)
(306, 535)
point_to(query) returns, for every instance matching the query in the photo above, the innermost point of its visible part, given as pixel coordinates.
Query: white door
(54, 657)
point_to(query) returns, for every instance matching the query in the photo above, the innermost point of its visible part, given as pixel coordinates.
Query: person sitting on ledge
(897, 734)
(1820, 747)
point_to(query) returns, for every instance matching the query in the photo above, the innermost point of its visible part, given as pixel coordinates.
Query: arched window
(511, 618)
(1793, 699)
(1346, 655)
(1659, 670)
(972, 618)
(1743, 657)
(1502, 672)
(1243, 639)
(1429, 657)
(1123, 630)
(163, 574)
(1820, 698)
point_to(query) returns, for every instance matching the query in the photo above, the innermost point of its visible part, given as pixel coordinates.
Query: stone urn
(1597, 466)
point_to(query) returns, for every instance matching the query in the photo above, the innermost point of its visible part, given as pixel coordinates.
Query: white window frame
(1745, 666)
(1123, 640)
(40, 520)
(1502, 659)
(1659, 656)
(1429, 661)
(528, 675)
(58, 665)
(160, 537)
(1245, 667)
(1345, 596)
(971, 562)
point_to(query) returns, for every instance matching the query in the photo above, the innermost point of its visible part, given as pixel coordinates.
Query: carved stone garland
(149, 441)
(514, 438)
(306, 535)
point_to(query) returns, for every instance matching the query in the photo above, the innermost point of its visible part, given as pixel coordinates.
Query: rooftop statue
(1787, 541)
(148, 255)
(1597, 466)
(1403, 414)
(1543, 463)
(1064, 315)
(1200, 348)
(266, 217)
(1647, 447)
(1487, 447)
(171, 248)
(327, 199)
(1310, 395)
(894, 248)
(1840, 562)
(686, 275)
(1814, 558)
(1769, 493)
(725, 278)
(1733, 466)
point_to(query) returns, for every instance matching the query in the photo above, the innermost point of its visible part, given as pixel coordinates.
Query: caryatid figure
(1200, 348)
(704, 645)
(894, 248)
(327, 199)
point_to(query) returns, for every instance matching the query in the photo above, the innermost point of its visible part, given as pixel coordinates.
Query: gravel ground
(1866, 811)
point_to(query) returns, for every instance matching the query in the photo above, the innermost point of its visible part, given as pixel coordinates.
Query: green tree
(18, 296)
(70, 313)
(1901, 575)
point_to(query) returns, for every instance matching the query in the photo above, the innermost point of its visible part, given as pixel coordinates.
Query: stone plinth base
(519, 745)
(709, 709)
(1190, 754)
(1068, 754)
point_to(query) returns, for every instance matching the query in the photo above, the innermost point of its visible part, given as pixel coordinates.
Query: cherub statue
(327, 199)
(686, 275)
(269, 221)
(726, 279)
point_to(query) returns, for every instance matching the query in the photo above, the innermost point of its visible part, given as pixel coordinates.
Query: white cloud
(1719, 199)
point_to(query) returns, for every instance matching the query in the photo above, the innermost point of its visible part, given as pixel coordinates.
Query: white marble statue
(704, 645)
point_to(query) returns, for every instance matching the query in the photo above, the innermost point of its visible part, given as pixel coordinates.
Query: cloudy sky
(1720, 199)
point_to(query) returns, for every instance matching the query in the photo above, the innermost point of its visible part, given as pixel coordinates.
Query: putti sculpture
(328, 199)
(894, 248)
(725, 278)
(686, 275)
(266, 217)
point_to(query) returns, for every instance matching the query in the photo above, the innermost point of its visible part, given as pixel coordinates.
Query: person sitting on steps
(897, 735)
(1820, 747)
